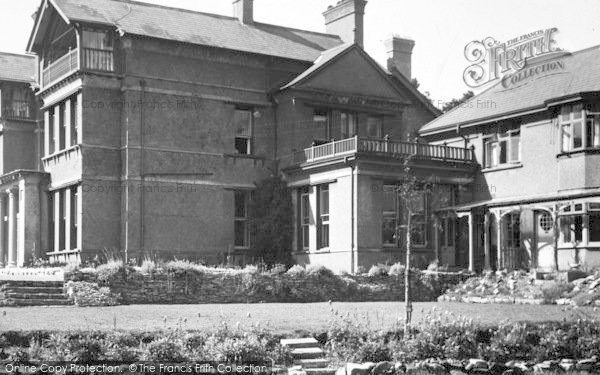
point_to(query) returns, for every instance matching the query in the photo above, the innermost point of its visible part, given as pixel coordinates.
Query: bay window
(579, 223)
(577, 130)
(502, 149)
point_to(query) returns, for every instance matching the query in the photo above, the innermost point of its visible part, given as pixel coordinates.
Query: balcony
(90, 59)
(394, 149)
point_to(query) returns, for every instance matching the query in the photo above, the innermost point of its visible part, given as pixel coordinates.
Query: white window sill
(502, 167)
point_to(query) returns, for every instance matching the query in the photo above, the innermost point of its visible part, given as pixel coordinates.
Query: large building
(536, 198)
(151, 126)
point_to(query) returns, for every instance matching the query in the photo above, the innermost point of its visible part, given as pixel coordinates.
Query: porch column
(486, 240)
(12, 228)
(67, 219)
(471, 243)
(2, 232)
(57, 219)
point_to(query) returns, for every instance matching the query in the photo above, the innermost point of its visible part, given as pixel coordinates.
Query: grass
(278, 318)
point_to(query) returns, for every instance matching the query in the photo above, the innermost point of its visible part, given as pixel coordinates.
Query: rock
(497, 368)
(546, 366)
(359, 368)
(567, 364)
(595, 284)
(383, 368)
(521, 366)
(586, 364)
(457, 372)
(296, 370)
(399, 367)
(476, 364)
(563, 301)
(513, 371)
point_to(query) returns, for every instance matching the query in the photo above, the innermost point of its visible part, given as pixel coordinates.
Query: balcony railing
(89, 59)
(61, 68)
(383, 147)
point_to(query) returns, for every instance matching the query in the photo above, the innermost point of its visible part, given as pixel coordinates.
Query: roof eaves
(422, 98)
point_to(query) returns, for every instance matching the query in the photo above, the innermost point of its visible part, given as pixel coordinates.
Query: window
(305, 219)
(448, 227)
(594, 222)
(375, 127)
(100, 40)
(62, 128)
(323, 204)
(50, 134)
(502, 149)
(51, 222)
(572, 124)
(390, 218)
(347, 125)
(321, 122)
(571, 224)
(74, 119)
(513, 230)
(74, 217)
(242, 234)
(418, 220)
(62, 220)
(242, 121)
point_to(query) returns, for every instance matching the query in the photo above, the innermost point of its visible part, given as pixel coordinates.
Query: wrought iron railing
(384, 147)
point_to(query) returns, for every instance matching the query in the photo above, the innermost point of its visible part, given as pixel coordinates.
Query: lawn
(280, 318)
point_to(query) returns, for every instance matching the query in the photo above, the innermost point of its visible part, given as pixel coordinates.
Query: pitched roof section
(580, 74)
(199, 28)
(17, 68)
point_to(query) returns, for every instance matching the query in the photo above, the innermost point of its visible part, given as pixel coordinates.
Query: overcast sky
(441, 28)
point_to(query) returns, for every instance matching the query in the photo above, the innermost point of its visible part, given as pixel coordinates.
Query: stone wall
(133, 287)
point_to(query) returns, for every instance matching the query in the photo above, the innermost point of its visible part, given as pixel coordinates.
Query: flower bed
(526, 288)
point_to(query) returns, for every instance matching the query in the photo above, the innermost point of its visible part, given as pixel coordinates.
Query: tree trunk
(407, 297)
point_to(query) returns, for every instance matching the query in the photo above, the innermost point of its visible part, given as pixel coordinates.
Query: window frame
(349, 126)
(570, 117)
(493, 151)
(578, 214)
(379, 124)
(304, 205)
(324, 218)
(390, 216)
(249, 138)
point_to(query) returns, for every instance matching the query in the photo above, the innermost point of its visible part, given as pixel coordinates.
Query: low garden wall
(127, 285)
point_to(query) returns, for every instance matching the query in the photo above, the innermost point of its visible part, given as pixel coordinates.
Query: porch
(20, 217)
(546, 235)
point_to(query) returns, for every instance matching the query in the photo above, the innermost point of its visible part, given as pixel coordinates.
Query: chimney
(399, 52)
(346, 19)
(243, 10)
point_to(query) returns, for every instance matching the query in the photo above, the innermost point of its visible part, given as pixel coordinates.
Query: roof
(320, 63)
(406, 83)
(507, 99)
(187, 26)
(19, 68)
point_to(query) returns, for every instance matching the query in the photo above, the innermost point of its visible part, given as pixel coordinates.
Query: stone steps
(33, 293)
(308, 356)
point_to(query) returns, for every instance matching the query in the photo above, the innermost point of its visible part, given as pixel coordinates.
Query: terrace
(383, 147)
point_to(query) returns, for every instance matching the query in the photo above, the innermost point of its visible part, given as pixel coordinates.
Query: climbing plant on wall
(271, 222)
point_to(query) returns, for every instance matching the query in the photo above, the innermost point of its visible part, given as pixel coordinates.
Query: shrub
(91, 294)
(361, 270)
(164, 349)
(246, 349)
(318, 270)
(109, 270)
(87, 350)
(278, 269)
(586, 299)
(556, 290)
(296, 271)
(148, 267)
(378, 270)
(397, 269)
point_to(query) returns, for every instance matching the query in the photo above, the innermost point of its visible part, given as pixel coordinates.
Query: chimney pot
(399, 52)
(346, 19)
(243, 10)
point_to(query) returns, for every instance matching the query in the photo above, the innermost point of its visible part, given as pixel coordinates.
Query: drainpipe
(142, 177)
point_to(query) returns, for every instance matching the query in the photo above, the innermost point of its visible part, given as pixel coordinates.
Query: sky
(441, 28)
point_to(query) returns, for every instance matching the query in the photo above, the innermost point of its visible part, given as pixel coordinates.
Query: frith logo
(492, 60)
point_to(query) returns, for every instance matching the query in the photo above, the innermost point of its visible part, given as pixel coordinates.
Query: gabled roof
(407, 84)
(17, 68)
(581, 74)
(338, 55)
(187, 26)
